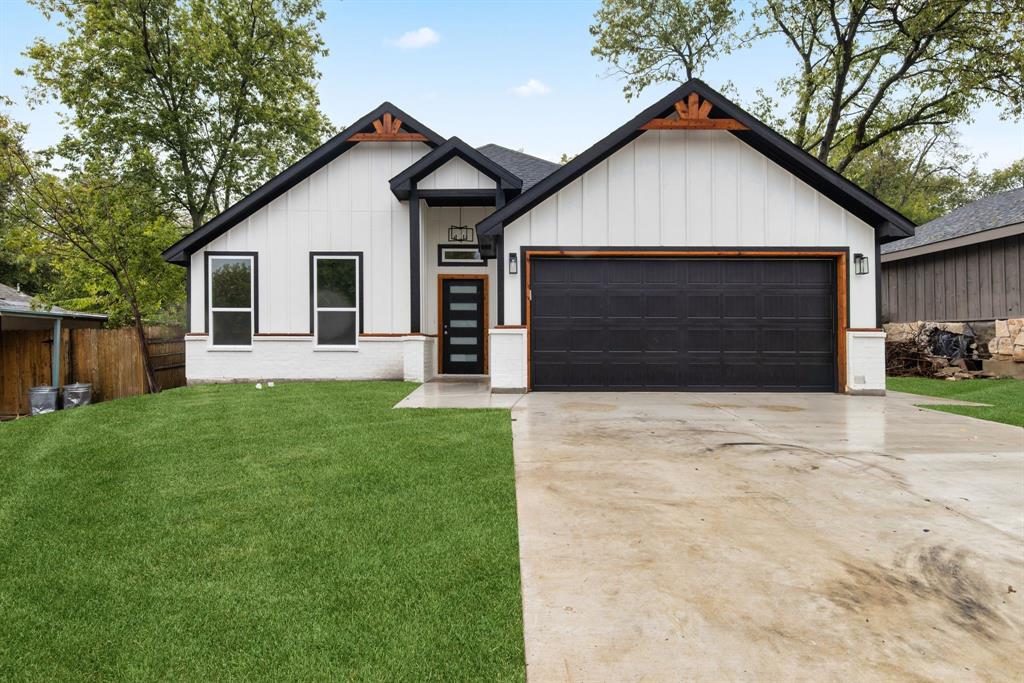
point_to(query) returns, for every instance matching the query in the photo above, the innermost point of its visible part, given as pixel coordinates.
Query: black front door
(462, 326)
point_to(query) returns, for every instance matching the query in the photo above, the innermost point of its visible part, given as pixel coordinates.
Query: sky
(519, 74)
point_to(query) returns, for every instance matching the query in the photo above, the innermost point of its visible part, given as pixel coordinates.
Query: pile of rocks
(1008, 342)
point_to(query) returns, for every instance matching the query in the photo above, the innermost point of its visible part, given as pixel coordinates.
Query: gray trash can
(77, 394)
(42, 400)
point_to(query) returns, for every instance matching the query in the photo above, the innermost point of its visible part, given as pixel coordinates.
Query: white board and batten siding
(691, 189)
(345, 206)
(456, 174)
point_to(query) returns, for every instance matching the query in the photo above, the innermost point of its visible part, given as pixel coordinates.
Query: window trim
(441, 262)
(356, 256)
(254, 302)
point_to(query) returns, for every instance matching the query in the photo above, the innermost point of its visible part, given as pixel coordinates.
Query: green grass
(1005, 396)
(305, 532)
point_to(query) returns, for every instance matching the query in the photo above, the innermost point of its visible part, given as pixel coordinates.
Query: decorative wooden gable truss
(388, 129)
(693, 115)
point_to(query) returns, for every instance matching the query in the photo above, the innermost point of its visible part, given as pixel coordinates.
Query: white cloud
(530, 88)
(421, 37)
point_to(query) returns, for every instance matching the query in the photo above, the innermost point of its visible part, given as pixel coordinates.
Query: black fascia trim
(524, 249)
(482, 263)
(312, 274)
(460, 197)
(439, 156)
(759, 136)
(255, 286)
(289, 178)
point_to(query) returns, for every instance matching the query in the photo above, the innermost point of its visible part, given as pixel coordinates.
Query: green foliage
(204, 99)
(649, 41)
(867, 71)
(307, 532)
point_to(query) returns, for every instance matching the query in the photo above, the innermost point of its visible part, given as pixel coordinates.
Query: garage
(671, 323)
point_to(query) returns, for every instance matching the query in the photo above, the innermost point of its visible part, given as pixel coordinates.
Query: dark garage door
(702, 324)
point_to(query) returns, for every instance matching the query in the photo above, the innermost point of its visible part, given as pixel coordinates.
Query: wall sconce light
(860, 264)
(513, 264)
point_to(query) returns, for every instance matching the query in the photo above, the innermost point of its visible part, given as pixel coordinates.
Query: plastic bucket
(42, 400)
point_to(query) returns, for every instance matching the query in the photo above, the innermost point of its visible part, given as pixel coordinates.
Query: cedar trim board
(889, 224)
(441, 155)
(290, 177)
(441, 277)
(840, 255)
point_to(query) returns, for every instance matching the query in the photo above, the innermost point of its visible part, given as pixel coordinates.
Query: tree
(661, 40)
(101, 232)
(868, 71)
(205, 99)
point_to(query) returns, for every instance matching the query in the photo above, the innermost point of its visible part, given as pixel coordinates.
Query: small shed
(26, 326)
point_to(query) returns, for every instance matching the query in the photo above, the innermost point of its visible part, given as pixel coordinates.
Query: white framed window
(459, 255)
(336, 296)
(231, 287)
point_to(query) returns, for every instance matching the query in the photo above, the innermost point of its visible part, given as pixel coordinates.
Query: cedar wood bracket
(693, 115)
(388, 129)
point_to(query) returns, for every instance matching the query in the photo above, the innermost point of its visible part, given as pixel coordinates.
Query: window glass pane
(336, 283)
(232, 328)
(231, 285)
(463, 323)
(463, 289)
(336, 328)
(463, 357)
(462, 307)
(460, 255)
(463, 340)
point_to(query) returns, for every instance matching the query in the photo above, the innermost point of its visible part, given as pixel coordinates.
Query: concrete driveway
(672, 537)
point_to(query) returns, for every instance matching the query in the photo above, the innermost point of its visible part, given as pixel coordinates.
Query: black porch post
(499, 201)
(414, 259)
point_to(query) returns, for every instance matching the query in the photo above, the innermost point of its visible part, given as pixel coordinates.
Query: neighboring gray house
(967, 266)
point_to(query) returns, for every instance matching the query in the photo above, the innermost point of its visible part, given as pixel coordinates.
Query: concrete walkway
(678, 537)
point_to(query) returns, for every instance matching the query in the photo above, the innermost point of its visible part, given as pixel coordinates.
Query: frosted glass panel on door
(463, 307)
(463, 323)
(463, 340)
(463, 289)
(463, 357)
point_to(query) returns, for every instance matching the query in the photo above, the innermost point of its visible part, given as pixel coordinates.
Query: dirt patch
(583, 407)
(932, 578)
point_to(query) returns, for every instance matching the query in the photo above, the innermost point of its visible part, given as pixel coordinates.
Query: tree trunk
(147, 362)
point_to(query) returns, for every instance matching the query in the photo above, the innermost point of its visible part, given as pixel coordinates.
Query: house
(965, 267)
(693, 248)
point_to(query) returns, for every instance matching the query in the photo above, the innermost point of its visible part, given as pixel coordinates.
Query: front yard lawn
(302, 532)
(1005, 396)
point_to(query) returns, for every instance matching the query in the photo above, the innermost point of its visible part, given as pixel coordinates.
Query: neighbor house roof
(16, 302)
(530, 168)
(995, 211)
(889, 223)
(291, 176)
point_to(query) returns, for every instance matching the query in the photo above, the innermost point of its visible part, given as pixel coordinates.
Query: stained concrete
(767, 537)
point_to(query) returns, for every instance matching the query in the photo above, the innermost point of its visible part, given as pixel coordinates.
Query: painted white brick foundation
(865, 362)
(508, 359)
(294, 358)
(418, 357)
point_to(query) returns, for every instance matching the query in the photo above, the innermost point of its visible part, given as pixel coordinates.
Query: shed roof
(18, 303)
(995, 211)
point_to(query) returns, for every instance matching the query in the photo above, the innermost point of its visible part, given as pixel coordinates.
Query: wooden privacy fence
(110, 360)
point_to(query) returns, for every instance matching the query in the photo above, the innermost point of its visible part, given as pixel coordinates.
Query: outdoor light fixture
(461, 233)
(513, 264)
(860, 264)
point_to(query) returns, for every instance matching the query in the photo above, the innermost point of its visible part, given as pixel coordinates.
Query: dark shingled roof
(531, 169)
(995, 211)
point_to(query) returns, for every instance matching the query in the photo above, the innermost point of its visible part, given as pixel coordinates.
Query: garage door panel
(683, 323)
